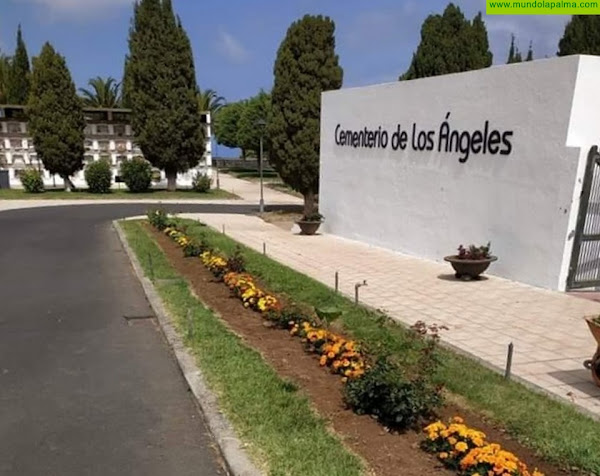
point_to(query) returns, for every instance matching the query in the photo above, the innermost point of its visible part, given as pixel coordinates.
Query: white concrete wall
(425, 203)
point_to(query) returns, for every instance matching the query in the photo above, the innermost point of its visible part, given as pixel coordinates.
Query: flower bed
(466, 450)
(398, 397)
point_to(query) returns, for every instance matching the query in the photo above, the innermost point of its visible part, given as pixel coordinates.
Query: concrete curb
(236, 460)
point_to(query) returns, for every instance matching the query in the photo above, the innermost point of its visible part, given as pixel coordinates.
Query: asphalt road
(83, 391)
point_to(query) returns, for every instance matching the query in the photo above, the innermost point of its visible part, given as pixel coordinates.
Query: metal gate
(584, 271)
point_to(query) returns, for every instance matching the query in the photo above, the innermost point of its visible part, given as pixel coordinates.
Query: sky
(235, 41)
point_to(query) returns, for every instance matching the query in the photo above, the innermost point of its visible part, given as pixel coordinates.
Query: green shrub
(201, 183)
(158, 218)
(32, 181)
(98, 176)
(137, 174)
(401, 394)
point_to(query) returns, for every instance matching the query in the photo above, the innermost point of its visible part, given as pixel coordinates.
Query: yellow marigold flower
(344, 379)
(443, 455)
(331, 355)
(323, 360)
(461, 446)
(346, 363)
(458, 419)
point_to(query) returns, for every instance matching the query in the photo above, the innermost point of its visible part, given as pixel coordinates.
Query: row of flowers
(457, 446)
(467, 451)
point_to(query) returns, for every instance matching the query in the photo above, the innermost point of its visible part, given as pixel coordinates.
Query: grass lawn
(284, 433)
(83, 194)
(556, 431)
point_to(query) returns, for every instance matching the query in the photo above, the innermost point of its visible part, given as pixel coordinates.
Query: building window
(16, 143)
(88, 131)
(88, 144)
(119, 129)
(14, 128)
(104, 145)
(102, 129)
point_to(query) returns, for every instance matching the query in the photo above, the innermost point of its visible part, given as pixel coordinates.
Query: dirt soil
(386, 453)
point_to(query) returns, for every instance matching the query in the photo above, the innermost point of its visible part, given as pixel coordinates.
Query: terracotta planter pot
(308, 227)
(594, 363)
(468, 269)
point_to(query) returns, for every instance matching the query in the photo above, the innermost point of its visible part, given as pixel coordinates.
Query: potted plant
(310, 223)
(594, 363)
(470, 262)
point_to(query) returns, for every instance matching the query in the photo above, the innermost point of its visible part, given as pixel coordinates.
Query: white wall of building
(101, 142)
(427, 202)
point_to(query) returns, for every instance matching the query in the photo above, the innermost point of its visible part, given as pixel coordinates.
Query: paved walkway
(248, 192)
(550, 337)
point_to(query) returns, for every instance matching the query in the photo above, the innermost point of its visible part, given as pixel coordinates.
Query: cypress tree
(450, 44)
(581, 36)
(160, 88)
(19, 73)
(4, 69)
(530, 52)
(511, 50)
(306, 65)
(55, 115)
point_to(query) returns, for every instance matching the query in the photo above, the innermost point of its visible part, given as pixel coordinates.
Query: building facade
(108, 136)
(500, 154)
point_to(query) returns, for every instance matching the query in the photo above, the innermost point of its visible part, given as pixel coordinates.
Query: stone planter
(308, 227)
(468, 269)
(594, 363)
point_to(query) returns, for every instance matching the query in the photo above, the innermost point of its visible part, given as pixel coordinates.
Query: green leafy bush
(32, 181)
(137, 174)
(158, 218)
(236, 263)
(195, 248)
(401, 394)
(201, 183)
(98, 176)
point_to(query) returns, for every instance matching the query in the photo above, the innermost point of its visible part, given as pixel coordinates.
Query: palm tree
(208, 100)
(104, 93)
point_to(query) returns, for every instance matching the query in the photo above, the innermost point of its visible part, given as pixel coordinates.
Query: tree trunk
(243, 154)
(171, 180)
(309, 203)
(69, 187)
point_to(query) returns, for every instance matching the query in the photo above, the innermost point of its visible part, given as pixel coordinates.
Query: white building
(108, 135)
(500, 154)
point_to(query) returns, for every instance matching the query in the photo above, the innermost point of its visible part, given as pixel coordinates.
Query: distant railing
(249, 164)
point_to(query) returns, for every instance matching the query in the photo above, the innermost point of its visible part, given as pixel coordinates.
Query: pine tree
(55, 115)
(256, 108)
(581, 36)
(450, 44)
(19, 73)
(306, 65)
(160, 88)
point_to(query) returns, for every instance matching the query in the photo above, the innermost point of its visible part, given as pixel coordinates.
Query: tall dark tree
(514, 55)
(530, 52)
(160, 88)
(4, 71)
(55, 115)
(306, 65)
(249, 131)
(450, 44)
(581, 36)
(19, 73)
